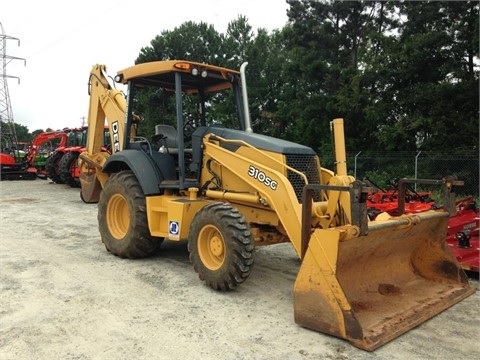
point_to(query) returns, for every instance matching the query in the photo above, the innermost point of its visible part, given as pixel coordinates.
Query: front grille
(308, 166)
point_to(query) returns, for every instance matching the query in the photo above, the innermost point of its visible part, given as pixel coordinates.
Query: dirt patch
(63, 296)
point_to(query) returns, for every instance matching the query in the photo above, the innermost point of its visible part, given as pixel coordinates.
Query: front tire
(122, 218)
(221, 246)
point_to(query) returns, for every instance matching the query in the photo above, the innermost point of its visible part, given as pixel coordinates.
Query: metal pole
(416, 168)
(355, 169)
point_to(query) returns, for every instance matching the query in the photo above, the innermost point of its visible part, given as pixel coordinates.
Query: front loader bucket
(371, 289)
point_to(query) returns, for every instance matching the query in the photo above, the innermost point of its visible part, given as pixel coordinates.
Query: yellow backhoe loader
(225, 190)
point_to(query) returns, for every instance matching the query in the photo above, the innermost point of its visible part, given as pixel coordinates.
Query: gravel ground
(63, 296)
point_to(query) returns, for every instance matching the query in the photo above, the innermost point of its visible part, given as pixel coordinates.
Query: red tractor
(52, 166)
(62, 165)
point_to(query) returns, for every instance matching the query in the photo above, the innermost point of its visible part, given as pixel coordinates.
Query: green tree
(8, 134)
(402, 74)
(433, 82)
(202, 43)
(190, 41)
(327, 44)
(36, 132)
(263, 52)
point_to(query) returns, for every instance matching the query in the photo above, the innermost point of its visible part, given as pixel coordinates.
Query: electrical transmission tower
(6, 114)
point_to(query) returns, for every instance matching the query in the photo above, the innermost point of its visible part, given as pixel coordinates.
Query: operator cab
(183, 93)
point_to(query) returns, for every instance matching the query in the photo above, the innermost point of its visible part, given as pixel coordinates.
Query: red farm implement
(462, 237)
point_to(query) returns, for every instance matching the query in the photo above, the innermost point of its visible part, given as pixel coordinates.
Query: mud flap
(373, 288)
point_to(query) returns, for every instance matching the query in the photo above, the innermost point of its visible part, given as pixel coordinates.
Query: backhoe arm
(107, 105)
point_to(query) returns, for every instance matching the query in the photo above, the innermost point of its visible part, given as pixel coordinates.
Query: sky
(61, 40)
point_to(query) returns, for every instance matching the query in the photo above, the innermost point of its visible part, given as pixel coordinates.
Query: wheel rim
(118, 216)
(211, 247)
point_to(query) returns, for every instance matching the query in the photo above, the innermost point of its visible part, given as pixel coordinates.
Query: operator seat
(167, 134)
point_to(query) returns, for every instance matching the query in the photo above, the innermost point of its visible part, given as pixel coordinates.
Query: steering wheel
(188, 129)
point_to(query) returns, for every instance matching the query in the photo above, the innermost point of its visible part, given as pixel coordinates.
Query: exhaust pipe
(246, 109)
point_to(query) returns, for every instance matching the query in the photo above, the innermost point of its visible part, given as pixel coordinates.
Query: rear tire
(221, 246)
(52, 167)
(122, 218)
(66, 168)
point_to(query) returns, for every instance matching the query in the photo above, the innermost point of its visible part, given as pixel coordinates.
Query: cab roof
(197, 76)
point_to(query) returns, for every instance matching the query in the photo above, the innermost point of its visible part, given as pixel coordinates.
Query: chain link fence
(382, 168)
